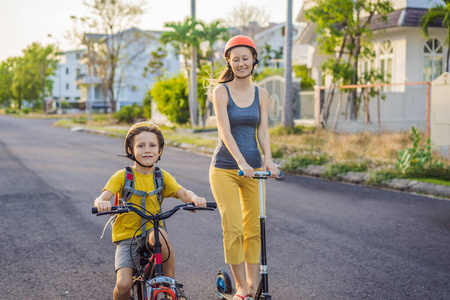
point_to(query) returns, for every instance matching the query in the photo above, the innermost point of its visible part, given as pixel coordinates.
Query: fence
(400, 110)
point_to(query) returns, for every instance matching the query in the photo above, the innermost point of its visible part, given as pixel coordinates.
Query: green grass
(433, 180)
(336, 169)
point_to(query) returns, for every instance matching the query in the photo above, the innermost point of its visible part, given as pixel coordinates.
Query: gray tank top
(243, 124)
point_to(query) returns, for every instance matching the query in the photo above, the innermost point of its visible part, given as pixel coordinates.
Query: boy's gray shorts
(123, 258)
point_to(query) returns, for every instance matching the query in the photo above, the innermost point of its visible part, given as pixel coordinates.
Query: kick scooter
(223, 283)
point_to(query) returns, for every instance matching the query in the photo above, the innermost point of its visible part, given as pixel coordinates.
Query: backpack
(128, 190)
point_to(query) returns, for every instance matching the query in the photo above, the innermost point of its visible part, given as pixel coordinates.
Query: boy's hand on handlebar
(102, 206)
(199, 201)
(102, 202)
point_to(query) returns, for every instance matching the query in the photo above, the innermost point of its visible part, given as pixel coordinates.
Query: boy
(144, 144)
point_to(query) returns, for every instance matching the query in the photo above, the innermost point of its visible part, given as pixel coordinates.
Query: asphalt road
(326, 240)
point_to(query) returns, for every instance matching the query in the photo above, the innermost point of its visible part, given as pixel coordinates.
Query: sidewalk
(404, 185)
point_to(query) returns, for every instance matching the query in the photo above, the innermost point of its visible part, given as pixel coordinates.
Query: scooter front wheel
(223, 283)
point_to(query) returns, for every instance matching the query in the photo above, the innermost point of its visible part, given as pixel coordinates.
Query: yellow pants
(238, 202)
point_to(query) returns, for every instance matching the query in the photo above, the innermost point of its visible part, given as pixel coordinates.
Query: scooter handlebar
(258, 173)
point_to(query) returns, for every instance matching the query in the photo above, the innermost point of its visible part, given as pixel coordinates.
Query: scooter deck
(226, 296)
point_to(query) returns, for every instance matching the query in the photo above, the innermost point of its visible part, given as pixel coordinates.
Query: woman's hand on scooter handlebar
(247, 170)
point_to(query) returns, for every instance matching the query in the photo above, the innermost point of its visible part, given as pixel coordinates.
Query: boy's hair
(141, 127)
(150, 128)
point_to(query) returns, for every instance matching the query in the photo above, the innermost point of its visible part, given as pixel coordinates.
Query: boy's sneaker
(180, 291)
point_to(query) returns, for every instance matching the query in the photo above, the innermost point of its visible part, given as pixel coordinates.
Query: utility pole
(288, 113)
(193, 102)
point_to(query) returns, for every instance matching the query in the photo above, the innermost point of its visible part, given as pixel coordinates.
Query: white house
(130, 83)
(402, 51)
(64, 81)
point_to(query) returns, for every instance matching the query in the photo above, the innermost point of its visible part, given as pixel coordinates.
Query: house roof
(407, 17)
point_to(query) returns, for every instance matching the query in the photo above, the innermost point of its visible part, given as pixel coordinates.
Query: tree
(183, 37)
(244, 17)
(155, 65)
(342, 32)
(31, 74)
(43, 63)
(432, 18)
(106, 49)
(6, 78)
(288, 113)
(213, 32)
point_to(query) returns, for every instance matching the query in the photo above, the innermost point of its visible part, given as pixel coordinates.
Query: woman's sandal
(239, 296)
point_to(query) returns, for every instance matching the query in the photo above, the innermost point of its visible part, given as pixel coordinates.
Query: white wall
(440, 108)
(134, 86)
(399, 4)
(400, 111)
(66, 74)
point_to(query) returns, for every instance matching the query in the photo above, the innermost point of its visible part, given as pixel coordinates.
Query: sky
(23, 22)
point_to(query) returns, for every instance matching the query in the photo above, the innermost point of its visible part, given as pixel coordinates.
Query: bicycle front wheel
(137, 292)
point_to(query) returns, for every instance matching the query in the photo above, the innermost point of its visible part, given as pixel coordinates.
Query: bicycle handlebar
(259, 174)
(129, 207)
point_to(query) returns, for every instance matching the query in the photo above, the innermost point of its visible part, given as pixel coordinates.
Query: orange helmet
(237, 41)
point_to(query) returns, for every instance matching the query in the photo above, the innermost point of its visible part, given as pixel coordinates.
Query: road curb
(405, 185)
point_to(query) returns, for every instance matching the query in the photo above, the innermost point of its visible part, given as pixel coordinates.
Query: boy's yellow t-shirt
(126, 224)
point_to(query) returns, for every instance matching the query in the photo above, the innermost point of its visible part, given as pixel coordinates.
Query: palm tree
(432, 17)
(288, 115)
(182, 38)
(213, 33)
(266, 56)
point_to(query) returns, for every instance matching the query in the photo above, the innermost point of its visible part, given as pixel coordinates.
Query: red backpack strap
(128, 182)
(158, 180)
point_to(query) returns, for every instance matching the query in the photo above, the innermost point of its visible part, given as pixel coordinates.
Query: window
(433, 57)
(97, 93)
(67, 70)
(386, 57)
(67, 86)
(366, 63)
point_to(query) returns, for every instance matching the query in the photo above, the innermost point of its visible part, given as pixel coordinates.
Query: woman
(241, 110)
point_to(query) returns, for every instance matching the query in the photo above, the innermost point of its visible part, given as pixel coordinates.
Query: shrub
(129, 113)
(12, 111)
(378, 177)
(280, 130)
(147, 103)
(172, 99)
(336, 169)
(418, 159)
(80, 120)
(294, 164)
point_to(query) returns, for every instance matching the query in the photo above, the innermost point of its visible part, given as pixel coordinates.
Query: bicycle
(223, 283)
(149, 282)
